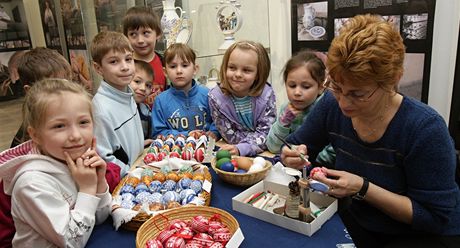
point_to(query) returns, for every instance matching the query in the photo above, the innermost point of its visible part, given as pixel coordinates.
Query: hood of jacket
(18, 160)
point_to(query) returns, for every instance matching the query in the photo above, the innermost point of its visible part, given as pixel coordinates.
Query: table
(257, 233)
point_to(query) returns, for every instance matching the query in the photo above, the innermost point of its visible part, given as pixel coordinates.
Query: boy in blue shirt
(118, 126)
(183, 107)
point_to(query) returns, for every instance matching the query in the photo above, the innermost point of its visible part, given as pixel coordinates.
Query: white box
(305, 228)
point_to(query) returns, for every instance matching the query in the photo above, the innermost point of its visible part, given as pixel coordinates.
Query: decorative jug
(309, 15)
(170, 18)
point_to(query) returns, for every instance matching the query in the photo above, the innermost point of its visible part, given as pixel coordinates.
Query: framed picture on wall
(315, 23)
(49, 23)
(14, 32)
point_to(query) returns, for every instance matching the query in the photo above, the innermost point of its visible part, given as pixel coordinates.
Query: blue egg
(240, 171)
(155, 186)
(227, 166)
(169, 185)
(127, 189)
(141, 187)
(142, 197)
(158, 143)
(184, 193)
(156, 197)
(196, 185)
(127, 204)
(165, 169)
(170, 196)
(188, 199)
(184, 183)
(127, 197)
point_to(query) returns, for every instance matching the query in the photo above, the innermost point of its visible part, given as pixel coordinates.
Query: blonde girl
(56, 180)
(243, 104)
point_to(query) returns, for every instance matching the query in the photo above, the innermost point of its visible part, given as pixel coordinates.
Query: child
(142, 87)
(142, 27)
(243, 105)
(303, 75)
(184, 106)
(56, 180)
(119, 130)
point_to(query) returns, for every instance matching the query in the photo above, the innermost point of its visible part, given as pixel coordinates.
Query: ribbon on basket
(164, 217)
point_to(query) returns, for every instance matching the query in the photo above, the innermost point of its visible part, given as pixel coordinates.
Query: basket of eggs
(191, 226)
(240, 171)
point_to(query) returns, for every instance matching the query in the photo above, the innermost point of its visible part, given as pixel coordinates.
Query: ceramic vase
(309, 15)
(170, 19)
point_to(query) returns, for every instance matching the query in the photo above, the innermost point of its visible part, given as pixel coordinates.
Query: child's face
(143, 41)
(117, 69)
(141, 85)
(302, 90)
(181, 73)
(68, 127)
(242, 71)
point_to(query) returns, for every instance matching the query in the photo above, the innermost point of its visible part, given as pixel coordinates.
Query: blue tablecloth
(257, 233)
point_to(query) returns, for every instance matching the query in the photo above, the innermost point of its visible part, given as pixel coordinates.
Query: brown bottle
(293, 201)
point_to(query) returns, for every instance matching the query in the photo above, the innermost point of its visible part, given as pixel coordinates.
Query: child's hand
(93, 160)
(288, 116)
(231, 148)
(196, 133)
(211, 135)
(85, 177)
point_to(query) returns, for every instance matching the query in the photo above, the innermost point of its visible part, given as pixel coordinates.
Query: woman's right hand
(84, 176)
(291, 158)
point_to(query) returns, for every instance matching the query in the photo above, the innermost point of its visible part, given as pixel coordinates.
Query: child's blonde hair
(38, 98)
(107, 41)
(180, 50)
(263, 67)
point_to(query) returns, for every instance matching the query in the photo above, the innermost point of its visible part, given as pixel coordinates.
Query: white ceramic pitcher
(170, 17)
(309, 15)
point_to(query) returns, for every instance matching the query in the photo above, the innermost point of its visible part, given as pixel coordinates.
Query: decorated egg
(170, 196)
(244, 163)
(172, 204)
(147, 172)
(156, 197)
(187, 154)
(240, 171)
(186, 175)
(157, 206)
(196, 185)
(127, 204)
(177, 224)
(153, 149)
(199, 154)
(153, 243)
(161, 156)
(166, 148)
(190, 139)
(216, 245)
(188, 199)
(185, 232)
(223, 237)
(175, 242)
(160, 136)
(127, 197)
(159, 177)
(256, 167)
(146, 179)
(133, 181)
(203, 238)
(149, 158)
(127, 188)
(214, 226)
(227, 166)
(158, 143)
(198, 176)
(172, 176)
(174, 154)
(180, 141)
(186, 168)
(170, 136)
(259, 160)
(169, 185)
(165, 169)
(200, 224)
(165, 235)
(141, 187)
(186, 192)
(190, 145)
(318, 171)
(193, 244)
(155, 186)
(169, 142)
(143, 197)
(184, 183)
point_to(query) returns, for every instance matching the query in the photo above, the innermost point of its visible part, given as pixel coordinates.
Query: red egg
(174, 155)
(187, 154)
(149, 158)
(199, 155)
(153, 243)
(175, 242)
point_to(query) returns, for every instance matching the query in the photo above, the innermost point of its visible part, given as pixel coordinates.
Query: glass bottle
(293, 201)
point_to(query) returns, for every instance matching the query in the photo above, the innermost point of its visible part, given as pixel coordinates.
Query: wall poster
(14, 33)
(49, 23)
(315, 23)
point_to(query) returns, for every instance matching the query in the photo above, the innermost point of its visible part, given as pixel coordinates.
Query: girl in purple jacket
(243, 104)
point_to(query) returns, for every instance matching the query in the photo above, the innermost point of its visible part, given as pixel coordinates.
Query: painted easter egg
(199, 155)
(227, 166)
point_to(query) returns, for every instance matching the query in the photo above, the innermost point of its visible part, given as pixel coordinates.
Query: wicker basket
(152, 227)
(242, 179)
(142, 217)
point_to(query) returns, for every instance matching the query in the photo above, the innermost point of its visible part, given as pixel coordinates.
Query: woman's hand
(84, 176)
(93, 160)
(341, 183)
(231, 148)
(291, 158)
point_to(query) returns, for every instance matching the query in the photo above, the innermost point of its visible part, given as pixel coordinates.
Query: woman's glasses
(354, 96)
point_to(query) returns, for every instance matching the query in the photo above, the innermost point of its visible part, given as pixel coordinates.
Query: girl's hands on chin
(231, 148)
(85, 176)
(341, 183)
(93, 160)
(291, 157)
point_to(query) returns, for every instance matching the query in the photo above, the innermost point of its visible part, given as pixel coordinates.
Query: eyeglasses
(358, 95)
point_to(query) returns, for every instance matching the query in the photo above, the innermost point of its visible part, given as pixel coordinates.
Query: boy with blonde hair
(118, 127)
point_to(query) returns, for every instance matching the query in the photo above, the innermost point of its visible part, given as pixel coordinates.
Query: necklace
(373, 123)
